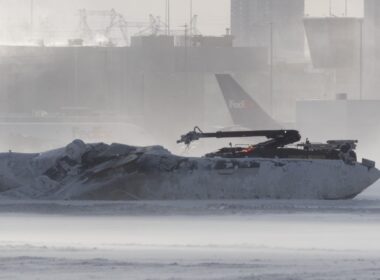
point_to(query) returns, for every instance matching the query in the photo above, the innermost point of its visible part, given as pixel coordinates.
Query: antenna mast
(191, 18)
(168, 17)
(32, 17)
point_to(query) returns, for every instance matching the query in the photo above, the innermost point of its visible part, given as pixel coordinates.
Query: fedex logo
(232, 104)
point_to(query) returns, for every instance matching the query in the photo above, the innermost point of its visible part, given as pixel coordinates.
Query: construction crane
(155, 27)
(116, 21)
(194, 31)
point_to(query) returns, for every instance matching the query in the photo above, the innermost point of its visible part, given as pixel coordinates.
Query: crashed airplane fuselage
(121, 172)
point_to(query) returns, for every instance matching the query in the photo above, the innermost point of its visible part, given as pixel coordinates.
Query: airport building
(372, 47)
(153, 82)
(158, 78)
(342, 118)
(265, 22)
(336, 47)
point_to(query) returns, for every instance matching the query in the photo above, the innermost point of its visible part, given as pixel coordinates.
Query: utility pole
(191, 19)
(330, 8)
(361, 61)
(271, 67)
(31, 16)
(169, 16)
(186, 62)
(271, 57)
(186, 70)
(345, 8)
(167, 10)
(76, 72)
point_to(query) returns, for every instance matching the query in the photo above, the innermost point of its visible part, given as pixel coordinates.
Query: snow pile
(122, 172)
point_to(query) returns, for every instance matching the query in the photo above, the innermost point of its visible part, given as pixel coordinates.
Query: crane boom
(278, 138)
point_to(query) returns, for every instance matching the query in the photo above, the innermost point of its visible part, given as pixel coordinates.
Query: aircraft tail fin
(244, 110)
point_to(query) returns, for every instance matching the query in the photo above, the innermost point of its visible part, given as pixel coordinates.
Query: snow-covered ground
(260, 239)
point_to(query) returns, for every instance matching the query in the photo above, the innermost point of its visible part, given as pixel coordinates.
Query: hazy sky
(213, 14)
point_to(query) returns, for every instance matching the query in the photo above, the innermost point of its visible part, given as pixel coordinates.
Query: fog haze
(95, 94)
(213, 14)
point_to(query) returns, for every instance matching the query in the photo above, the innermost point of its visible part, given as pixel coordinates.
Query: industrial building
(152, 82)
(155, 78)
(161, 75)
(341, 118)
(336, 47)
(372, 47)
(270, 22)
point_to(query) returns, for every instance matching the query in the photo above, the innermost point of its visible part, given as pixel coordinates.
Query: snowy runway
(190, 240)
(184, 263)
